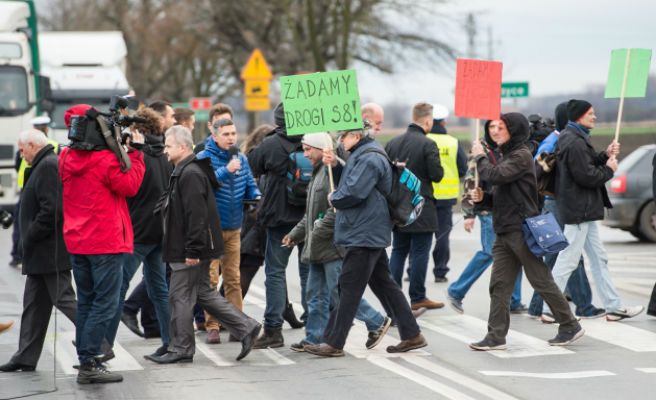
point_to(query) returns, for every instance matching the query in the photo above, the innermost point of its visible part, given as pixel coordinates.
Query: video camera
(538, 131)
(96, 130)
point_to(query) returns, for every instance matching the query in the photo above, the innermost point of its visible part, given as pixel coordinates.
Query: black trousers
(510, 252)
(651, 309)
(364, 266)
(42, 292)
(441, 251)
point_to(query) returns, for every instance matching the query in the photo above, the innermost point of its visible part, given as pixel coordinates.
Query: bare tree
(179, 49)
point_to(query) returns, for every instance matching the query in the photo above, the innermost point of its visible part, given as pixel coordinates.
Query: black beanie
(576, 109)
(279, 116)
(561, 116)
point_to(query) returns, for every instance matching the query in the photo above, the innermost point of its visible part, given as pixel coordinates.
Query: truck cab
(20, 95)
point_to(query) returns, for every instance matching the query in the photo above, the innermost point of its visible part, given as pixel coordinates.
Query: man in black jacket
(422, 158)
(279, 215)
(651, 309)
(515, 198)
(46, 261)
(581, 196)
(147, 232)
(191, 239)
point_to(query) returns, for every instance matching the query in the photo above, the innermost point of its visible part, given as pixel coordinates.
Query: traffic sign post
(257, 76)
(514, 89)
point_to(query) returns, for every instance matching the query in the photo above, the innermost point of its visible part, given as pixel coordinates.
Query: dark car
(631, 192)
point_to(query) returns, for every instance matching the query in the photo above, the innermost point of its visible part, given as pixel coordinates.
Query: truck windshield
(61, 105)
(14, 98)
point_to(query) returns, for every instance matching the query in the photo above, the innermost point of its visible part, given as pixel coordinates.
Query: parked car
(631, 192)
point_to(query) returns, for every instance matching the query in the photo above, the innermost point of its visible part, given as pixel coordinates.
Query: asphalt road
(614, 360)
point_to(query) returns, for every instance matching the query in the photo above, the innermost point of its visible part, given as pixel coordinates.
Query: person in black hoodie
(516, 198)
(651, 309)
(422, 158)
(279, 216)
(191, 238)
(148, 230)
(46, 262)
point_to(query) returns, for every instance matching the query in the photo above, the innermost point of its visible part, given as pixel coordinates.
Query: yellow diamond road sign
(256, 67)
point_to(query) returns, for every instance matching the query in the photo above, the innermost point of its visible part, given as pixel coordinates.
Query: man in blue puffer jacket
(237, 183)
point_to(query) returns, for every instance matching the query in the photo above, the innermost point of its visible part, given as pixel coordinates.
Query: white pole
(621, 109)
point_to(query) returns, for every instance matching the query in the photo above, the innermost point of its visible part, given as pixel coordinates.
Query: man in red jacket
(97, 232)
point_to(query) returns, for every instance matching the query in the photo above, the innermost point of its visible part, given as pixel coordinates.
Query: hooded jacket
(469, 208)
(422, 158)
(515, 195)
(41, 218)
(234, 187)
(96, 218)
(271, 158)
(147, 227)
(581, 177)
(192, 227)
(363, 218)
(317, 227)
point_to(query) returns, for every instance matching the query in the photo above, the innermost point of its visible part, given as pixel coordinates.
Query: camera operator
(97, 231)
(46, 261)
(148, 228)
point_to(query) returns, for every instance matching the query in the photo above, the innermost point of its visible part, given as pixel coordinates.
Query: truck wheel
(648, 221)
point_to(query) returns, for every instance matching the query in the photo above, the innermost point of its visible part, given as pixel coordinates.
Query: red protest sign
(478, 89)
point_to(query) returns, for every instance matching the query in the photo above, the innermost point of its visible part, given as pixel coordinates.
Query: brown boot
(416, 342)
(426, 303)
(324, 350)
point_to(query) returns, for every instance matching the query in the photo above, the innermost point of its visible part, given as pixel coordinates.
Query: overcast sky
(559, 46)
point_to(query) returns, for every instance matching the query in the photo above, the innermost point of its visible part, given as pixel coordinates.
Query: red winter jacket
(96, 217)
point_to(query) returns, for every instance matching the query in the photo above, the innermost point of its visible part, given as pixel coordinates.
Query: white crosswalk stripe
(621, 334)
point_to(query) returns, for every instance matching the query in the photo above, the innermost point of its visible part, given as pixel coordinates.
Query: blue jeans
(417, 246)
(578, 285)
(479, 263)
(323, 296)
(98, 282)
(276, 258)
(155, 277)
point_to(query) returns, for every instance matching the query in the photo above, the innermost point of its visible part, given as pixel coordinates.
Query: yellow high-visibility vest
(23, 165)
(449, 186)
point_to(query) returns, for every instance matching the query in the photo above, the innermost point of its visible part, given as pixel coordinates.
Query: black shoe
(375, 337)
(130, 320)
(520, 309)
(441, 279)
(565, 338)
(487, 344)
(95, 372)
(272, 338)
(158, 353)
(151, 334)
(14, 366)
(248, 342)
(106, 357)
(300, 346)
(172, 358)
(289, 316)
(15, 262)
(596, 313)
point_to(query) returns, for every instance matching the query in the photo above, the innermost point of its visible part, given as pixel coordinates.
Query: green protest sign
(637, 73)
(324, 101)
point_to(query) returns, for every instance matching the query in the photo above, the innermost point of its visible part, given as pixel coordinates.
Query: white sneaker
(627, 312)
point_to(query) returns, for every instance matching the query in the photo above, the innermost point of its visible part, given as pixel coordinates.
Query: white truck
(83, 67)
(23, 91)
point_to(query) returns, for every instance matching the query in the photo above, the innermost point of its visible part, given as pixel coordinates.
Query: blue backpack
(404, 200)
(299, 174)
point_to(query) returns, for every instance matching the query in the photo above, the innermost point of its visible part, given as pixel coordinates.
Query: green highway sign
(514, 89)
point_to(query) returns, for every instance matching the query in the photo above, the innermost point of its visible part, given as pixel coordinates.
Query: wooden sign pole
(621, 109)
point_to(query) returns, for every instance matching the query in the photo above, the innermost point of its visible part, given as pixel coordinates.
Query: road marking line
(277, 357)
(464, 327)
(461, 379)
(358, 336)
(640, 286)
(555, 375)
(66, 352)
(123, 361)
(647, 370)
(621, 334)
(418, 378)
(213, 356)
